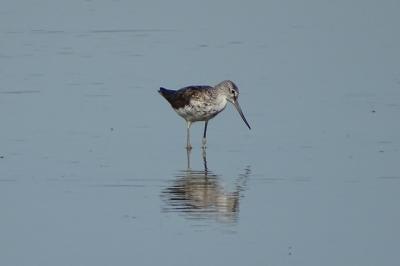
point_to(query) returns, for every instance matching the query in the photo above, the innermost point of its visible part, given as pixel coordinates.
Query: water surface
(93, 169)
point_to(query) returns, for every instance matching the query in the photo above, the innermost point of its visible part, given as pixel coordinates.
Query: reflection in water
(200, 194)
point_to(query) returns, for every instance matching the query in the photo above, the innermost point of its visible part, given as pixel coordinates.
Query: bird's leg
(205, 161)
(205, 135)
(188, 151)
(188, 146)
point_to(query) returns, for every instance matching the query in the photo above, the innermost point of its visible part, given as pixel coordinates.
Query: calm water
(93, 169)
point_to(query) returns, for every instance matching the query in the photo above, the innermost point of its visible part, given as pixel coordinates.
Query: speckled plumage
(202, 103)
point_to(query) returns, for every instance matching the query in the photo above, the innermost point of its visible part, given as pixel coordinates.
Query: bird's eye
(232, 91)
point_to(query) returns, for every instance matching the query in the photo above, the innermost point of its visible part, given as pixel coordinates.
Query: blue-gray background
(89, 150)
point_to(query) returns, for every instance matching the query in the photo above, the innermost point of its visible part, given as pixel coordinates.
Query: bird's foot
(189, 147)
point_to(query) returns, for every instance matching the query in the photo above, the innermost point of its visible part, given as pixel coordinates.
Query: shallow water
(92, 165)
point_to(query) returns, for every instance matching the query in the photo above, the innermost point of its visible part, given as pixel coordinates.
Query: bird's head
(231, 93)
(229, 90)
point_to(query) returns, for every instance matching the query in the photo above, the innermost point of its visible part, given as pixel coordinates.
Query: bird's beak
(236, 104)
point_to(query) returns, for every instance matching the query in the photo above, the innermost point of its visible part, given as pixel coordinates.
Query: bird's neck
(221, 102)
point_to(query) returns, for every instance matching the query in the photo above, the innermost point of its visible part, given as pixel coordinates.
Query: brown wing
(182, 97)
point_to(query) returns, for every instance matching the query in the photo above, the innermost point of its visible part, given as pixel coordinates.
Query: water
(93, 169)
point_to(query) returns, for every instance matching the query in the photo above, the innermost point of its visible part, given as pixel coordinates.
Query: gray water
(93, 169)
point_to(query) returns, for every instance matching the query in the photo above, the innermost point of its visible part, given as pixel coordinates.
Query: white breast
(202, 110)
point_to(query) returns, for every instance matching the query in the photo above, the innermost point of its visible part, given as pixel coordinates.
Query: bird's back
(181, 98)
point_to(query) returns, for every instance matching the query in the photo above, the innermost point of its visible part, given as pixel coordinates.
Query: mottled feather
(182, 97)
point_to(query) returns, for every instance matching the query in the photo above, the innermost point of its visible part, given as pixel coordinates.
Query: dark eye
(232, 91)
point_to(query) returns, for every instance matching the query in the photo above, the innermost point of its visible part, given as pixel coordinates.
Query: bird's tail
(164, 91)
(167, 94)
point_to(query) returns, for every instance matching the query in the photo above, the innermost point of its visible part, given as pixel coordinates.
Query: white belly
(201, 111)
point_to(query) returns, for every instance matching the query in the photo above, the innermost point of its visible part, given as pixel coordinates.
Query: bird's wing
(185, 95)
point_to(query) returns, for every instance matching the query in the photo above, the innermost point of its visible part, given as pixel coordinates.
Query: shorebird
(202, 103)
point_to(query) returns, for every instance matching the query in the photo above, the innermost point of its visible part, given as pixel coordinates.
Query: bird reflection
(199, 194)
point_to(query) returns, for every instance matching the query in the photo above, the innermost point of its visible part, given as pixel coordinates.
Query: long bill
(236, 104)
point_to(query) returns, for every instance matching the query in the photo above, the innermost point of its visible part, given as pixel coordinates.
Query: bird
(201, 103)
